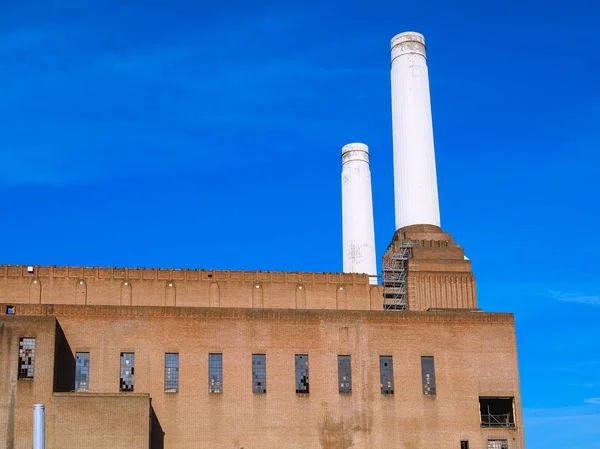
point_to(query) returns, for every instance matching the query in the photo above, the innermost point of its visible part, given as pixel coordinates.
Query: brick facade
(474, 352)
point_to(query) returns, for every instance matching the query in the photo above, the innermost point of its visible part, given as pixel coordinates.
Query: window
(127, 371)
(302, 373)
(10, 310)
(215, 373)
(82, 371)
(386, 374)
(497, 444)
(259, 373)
(464, 444)
(344, 374)
(496, 412)
(428, 373)
(171, 372)
(26, 357)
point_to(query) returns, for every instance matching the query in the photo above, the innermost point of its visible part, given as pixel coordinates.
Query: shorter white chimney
(357, 212)
(39, 427)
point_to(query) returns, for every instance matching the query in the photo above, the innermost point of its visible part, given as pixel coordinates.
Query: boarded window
(215, 373)
(428, 373)
(344, 374)
(386, 374)
(259, 373)
(496, 412)
(26, 357)
(82, 371)
(497, 444)
(127, 371)
(171, 372)
(464, 444)
(302, 373)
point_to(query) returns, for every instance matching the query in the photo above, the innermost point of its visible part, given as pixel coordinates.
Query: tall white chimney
(357, 212)
(415, 183)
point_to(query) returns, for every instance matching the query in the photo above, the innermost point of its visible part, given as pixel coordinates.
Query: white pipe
(39, 430)
(415, 182)
(357, 212)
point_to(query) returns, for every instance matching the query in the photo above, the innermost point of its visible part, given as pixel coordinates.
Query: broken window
(386, 374)
(497, 444)
(259, 373)
(215, 373)
(127, 371)
(464, 444)
(302, 373)
(171, 372)
(26, 357)
(344, 374)
(82, 371)
(496, 412)
(428, 374)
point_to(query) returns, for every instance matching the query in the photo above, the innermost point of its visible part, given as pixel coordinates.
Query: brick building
(165, 358)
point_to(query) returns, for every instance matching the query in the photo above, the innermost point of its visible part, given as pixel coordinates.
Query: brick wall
(475, 355)
(187, 288)
(99, 421)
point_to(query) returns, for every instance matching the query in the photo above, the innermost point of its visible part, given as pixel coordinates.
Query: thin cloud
(595, 401)
(575, 297)
(75, 104)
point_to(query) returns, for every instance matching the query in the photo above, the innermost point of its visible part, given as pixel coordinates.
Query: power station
(95, 357)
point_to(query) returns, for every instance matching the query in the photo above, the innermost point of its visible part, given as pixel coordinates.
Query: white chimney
(39, 427)
(415, 183)
(357, 212)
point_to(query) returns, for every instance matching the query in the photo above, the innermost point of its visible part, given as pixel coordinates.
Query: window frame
(259, 374)
(344, 384)
(26, 371)
(391, 388)
(302, 381)
(79, 374)
(428, 383)
(122, 367)
(215, 378)
(171, 378)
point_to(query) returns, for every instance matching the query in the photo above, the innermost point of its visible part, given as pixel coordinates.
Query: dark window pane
(428, 371)
(301, 373)
(386, 374)
(344, 374)
(496, 412)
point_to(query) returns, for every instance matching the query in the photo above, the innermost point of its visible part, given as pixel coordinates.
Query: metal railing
(505, 420)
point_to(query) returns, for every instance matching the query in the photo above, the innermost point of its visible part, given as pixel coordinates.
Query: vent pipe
(357, 212)
(415, 183)
(39, 427)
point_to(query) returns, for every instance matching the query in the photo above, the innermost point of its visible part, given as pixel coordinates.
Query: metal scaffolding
(395, 271)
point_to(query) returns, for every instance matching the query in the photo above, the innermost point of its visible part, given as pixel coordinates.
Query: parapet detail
(423, 268)
(186, 288)
(46, 311)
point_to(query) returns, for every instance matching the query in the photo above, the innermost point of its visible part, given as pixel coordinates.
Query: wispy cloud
(575, 297)
(563, 413)
(81, 105)
(595, 401)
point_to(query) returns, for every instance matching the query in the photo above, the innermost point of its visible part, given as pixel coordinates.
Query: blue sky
(194, 135)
